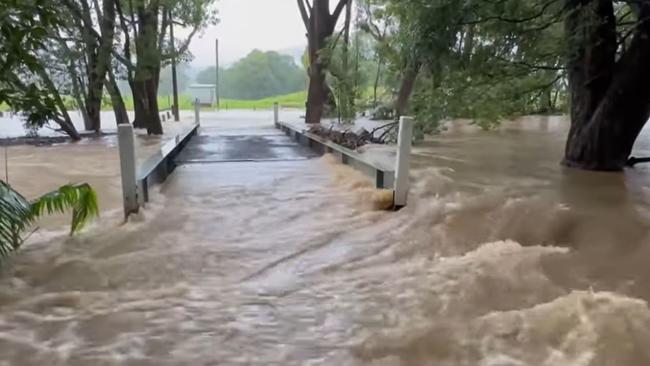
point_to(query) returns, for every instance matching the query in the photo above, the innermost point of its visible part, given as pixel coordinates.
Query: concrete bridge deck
(240, 137)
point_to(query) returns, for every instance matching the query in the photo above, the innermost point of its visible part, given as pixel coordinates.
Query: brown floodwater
(502, 258)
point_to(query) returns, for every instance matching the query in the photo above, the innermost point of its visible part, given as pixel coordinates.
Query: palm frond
(17, 213)
(81, 198)
(14, 218)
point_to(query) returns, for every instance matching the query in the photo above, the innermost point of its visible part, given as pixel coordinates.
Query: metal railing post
(126, 143)
(276, 113)
(403, 163)
(197, 112)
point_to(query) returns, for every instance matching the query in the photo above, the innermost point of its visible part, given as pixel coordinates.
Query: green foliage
(17, 214)
(23, 34)
(258, 75)
(477, 59)
(351, 71)
(15, 217)
(81, 198)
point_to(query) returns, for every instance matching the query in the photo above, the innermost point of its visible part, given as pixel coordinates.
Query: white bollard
(126, 142)
(276, 113)
(197, 112)
(403, 164)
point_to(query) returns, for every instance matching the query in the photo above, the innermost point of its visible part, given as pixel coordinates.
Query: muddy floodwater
(502, 258)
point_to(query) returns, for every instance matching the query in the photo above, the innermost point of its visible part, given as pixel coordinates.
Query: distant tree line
(256, 76)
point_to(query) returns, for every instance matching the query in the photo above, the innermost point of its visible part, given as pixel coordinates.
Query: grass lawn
(294, 100)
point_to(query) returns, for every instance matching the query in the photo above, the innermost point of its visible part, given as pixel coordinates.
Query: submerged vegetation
(18, 214)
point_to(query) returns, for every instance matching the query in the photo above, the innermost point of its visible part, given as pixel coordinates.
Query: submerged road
(226, 142)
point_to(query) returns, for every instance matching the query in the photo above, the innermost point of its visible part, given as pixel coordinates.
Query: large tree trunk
(121, 115)
(94, 104)
(610, 100)
(406, 89)
(320, 26)
(145, 103)
(145, 82)
(320, 30)
(316, 95)
(98, 58)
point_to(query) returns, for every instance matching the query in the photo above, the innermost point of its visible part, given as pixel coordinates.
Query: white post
(403, 163)
(126, 142)
(197, 111)
(276, 113)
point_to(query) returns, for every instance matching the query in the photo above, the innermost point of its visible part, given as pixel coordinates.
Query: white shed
(205, 93)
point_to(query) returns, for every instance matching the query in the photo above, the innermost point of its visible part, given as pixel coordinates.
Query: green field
(294, 100)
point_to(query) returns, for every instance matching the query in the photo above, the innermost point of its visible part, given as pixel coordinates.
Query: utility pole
(216, 43)
(174, 76)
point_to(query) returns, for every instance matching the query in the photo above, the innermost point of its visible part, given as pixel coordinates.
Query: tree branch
(500, 18)
(163, 28)
(304, 13)
(530, 66)
(183, 48)
(126, 59)
(338, 10)
(98, 10)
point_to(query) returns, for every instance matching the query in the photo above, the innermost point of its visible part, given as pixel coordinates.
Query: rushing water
(502, 258)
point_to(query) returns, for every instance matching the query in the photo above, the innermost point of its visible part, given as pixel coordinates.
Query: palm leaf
(17, 213)
(15, 216)
(81, 198)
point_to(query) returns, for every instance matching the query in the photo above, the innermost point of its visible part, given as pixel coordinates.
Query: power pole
(174, 76)
(216, 43)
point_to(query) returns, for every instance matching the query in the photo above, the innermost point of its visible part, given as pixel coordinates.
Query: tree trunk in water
(610, 100)
(145, 82)
(79, 95)
(145, 103)
(405, 90)
(88, 125)
(79, 99)
(94, 104)
(121, 115)
(98, 64)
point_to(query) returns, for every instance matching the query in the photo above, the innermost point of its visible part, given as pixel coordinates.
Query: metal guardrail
(396, 180)
(384, 178)
(136, 181)
(159, 166)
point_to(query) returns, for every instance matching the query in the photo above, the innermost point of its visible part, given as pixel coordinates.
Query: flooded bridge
(257, 252)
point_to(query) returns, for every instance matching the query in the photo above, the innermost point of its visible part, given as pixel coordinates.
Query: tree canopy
(258, 75)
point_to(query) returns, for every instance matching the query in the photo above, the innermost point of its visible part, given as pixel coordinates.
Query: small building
(205, 93)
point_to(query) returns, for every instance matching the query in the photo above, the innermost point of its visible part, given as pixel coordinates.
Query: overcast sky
(250, 24)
